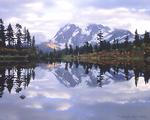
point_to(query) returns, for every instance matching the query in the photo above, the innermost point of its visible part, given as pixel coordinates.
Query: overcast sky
(45, 17)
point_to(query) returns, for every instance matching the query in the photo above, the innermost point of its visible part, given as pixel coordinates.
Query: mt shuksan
(76, 36)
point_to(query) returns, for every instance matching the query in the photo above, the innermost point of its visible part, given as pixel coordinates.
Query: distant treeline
(140, 43)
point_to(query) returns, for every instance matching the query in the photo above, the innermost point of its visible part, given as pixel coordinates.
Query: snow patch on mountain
(74, 35)
(66, 28)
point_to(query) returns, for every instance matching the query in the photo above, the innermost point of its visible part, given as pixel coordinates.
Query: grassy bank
(13, 58)
(104, 56)
(12, 54)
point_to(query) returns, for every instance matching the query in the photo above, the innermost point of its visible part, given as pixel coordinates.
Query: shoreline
(114, 57)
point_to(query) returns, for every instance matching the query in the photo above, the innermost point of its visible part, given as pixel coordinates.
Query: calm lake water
(73, 91)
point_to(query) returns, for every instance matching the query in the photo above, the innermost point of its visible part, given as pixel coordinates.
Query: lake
(74, 91)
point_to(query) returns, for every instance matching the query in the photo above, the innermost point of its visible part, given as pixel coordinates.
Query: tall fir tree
(10, 36)
(28, 39)
(25, 37)
(90, 48)
(115, 44)
(19, 36)
(76, 51)
(95, 48)
(2, 34)
(33, 42)
(66, 49)
(86, 47)
(70, 49)
(100, 38)
(126, 42)
(146, 37)
(137, 38)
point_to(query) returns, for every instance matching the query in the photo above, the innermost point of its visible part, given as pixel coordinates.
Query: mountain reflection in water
(119, 72)
(18, 76)
(74, 91)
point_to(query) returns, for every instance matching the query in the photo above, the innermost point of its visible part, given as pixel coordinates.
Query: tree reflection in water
(137, 70)
(15, 76)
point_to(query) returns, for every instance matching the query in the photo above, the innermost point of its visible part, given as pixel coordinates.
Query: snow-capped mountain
(73, 75)
(77, 36)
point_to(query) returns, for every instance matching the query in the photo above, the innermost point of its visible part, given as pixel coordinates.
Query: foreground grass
(13, 58)
(12, 54)
(106, 57)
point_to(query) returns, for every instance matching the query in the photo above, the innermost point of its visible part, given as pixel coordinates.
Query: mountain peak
(77, 35)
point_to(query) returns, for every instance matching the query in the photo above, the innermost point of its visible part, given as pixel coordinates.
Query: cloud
(45, 17)
(138, 4)
(117, 17)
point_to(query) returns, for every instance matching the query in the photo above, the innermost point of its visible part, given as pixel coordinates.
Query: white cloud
(44, 17)
(35, 7)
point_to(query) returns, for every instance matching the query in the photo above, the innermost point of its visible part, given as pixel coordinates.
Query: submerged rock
(22, 96)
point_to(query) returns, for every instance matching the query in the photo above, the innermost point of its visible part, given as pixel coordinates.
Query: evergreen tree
(76, 51)
(90, 48)
(55, 53)
(96, 48)
(137, 39)
(2, 34)
(33, 42)
(146, 37)
(104, 45)
(19, 35)
(25, 37)
(70, 49)
(126, 42)
(86, 47)
(66, 49)
(115, 44)
(108, 45)
(10, 36)
(100, 38)
(28, 39)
